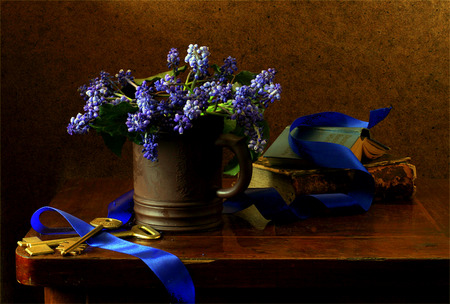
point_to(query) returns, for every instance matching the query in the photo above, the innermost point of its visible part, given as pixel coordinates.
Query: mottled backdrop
(346, 56)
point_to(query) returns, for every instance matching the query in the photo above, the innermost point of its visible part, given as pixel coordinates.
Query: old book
(394, 178)
(358, 140)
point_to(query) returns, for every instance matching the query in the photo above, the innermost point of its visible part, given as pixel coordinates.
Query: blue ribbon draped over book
(169, 268)
(323, 154)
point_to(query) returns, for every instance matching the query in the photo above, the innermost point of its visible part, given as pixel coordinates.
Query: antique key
(76, 251)
(35, 241)
(139, 231)
(39, 250)
(35, 246)
(100, 223)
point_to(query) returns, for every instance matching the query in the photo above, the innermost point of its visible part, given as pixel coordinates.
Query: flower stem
(217, 114)
(132, 83)
(225, 109)
(187, 78)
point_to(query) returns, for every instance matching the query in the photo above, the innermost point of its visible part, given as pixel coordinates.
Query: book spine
(392, 181)
(395, 181)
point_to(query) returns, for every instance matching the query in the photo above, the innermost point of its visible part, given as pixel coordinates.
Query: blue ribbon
(166, 266)
(122, 207)
(328, 155)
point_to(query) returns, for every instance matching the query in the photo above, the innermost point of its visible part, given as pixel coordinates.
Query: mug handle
(239, 147)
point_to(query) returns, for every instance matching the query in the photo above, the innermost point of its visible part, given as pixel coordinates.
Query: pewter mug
(182, 191)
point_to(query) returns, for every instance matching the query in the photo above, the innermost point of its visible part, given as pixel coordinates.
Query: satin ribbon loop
(166, 266)
(122, 207)
(377, 116)
(331, 155)
(322, 154)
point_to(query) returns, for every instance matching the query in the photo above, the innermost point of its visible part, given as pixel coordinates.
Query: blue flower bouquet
(123, 107)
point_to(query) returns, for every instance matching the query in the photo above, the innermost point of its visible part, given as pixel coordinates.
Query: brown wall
(341, 56)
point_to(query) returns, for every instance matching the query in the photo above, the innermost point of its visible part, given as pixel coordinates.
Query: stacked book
(293, 176)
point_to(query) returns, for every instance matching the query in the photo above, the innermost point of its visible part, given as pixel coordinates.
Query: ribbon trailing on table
(172, 272)
(328, 155)
(167, 267)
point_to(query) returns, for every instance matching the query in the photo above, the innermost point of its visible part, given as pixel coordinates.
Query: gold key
(76, 251)
(35, 241)
(35, 246)
(100, 223)
(143, 232)
(39, 250)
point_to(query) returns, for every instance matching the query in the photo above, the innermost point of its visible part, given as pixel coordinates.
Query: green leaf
(216, 68)
(232, 168)
(112, 118)
(229, 125)
(114, 143)
(160, 75)
(254, 156)
(245, 77)
(181, 70)
(111, 125)
(266, 129)
(135, 137)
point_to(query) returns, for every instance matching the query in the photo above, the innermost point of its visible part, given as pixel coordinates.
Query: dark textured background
(345, 56)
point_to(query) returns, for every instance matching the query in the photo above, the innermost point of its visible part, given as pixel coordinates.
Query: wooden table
(396, 252)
